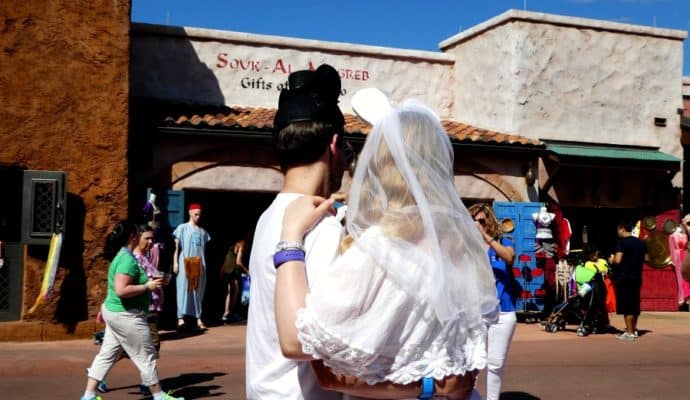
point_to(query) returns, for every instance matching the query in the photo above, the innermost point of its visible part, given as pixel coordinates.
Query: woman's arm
(291, 290)
(685, 266)
(240, 257)
(291, 279)
(505, 253)
(124, 288)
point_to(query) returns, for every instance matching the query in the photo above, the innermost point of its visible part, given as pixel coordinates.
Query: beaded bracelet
(287, 245)
(283, 256)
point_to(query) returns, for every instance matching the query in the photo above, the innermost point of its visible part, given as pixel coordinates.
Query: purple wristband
(283, 256)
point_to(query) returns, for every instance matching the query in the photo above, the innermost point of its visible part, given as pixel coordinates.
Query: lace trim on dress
(454, 353)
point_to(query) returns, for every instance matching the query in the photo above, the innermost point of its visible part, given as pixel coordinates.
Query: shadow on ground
(179, 334)
(187, 385)
(518, 396)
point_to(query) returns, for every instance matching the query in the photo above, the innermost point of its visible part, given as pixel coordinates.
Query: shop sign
(251, 74)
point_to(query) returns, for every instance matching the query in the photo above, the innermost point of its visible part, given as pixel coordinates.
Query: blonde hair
(419, 134)
(492, 227)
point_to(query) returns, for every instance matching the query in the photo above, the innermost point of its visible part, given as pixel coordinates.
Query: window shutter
(43, 209)
(171, 204)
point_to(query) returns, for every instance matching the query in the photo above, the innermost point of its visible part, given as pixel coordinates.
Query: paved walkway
(541, 365)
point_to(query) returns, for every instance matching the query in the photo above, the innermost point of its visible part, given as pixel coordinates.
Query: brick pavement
(541, 365)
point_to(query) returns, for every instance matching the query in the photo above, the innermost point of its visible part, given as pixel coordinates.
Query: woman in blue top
(501, 252)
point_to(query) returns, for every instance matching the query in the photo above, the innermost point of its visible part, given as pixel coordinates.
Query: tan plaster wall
(230, 68)
(227, 178)
(475, 178)
(597, 86)
(549, 81)
(64, 86)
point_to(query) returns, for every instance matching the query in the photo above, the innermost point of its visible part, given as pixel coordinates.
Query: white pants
(500, 336)
(128, 331)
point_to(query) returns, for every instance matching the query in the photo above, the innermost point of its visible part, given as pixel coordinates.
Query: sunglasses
(349, 151)
(350, 156)
(482, 221)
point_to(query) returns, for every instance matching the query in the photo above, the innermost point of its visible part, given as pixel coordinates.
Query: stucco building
(64, 86)
(587, 108)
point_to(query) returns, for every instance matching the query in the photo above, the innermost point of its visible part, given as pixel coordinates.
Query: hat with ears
(310, 96)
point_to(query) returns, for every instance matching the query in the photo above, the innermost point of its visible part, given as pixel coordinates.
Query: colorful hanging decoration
(50, 270)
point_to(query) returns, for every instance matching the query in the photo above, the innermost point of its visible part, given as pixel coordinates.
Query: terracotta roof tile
(261, 119)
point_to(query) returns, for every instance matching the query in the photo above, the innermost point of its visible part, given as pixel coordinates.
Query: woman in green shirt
(124, 311)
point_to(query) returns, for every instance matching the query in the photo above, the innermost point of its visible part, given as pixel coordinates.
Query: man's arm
(452, 387)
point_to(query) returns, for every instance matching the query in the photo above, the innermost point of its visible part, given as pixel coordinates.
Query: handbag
(610, 295)
(610, 291)
(192, 270)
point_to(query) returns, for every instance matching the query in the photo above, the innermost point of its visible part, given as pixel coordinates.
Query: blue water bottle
(246, 281)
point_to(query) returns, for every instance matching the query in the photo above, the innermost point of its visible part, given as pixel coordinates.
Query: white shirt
(269, 375)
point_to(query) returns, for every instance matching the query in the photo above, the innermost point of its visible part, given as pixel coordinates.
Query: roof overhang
(583, 154)
(256, 123)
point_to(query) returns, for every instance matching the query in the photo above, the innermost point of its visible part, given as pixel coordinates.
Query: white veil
(404, 185)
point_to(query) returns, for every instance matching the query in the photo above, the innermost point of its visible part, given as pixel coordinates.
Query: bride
(408, 301)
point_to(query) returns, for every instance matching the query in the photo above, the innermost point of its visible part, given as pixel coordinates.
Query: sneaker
(626, 336)
(102, 387)
(144, 390)
(168, 396)
(235, 317)
(93, 398)
(636, 334)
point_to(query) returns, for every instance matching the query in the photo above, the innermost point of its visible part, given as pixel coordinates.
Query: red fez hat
(194, 206)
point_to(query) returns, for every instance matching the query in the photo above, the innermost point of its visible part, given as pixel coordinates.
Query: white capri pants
(500, 336)
(128, 331)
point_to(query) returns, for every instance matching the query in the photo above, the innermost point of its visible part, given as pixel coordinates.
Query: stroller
(585, 307)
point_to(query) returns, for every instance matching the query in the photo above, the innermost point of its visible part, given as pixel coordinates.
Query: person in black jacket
(629, 255)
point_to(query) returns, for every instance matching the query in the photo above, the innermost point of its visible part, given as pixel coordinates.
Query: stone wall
(64, 88)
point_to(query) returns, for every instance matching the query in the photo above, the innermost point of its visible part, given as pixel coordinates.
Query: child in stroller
(586, 304)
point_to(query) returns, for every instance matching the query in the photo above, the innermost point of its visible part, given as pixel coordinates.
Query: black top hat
(310, 96)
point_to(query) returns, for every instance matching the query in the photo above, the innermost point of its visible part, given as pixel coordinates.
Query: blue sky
(402, 24)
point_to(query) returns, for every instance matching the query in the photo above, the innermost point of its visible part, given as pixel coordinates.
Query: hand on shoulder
(302, 214)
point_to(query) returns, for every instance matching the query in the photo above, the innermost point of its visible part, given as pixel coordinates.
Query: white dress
(361, 322)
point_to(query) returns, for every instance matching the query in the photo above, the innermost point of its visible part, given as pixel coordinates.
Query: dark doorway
(600, 224)
(11, 254)
(227, 217)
